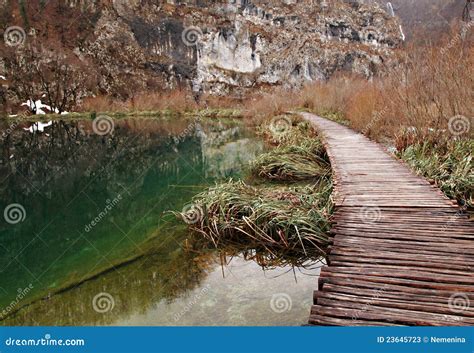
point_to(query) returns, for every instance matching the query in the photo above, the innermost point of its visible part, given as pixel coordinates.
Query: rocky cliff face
(222, 47)
(291, 43)
(427, 19)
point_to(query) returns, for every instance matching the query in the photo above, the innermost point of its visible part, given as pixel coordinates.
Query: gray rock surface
(221, 47)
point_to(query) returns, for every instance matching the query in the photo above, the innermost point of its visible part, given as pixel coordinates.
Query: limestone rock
(221, 47)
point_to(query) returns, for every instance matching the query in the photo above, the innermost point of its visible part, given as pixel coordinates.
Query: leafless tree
(49, 74)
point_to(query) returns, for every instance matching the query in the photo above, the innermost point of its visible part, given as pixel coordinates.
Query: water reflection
(178, 286)
(66, 176)
(96, 224)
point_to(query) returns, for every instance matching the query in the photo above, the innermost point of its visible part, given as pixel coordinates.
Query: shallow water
(94, 244)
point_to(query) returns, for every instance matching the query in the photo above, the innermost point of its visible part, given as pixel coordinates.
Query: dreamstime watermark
(453, 218)
(192, 213)
(191, 303)
(14, 213)
(307, 303)
(367, 305)
(457, 38)
(191, 36)
(280, 125)
(459, 302)
(13, 126)
(459, 125)
(103, 302)
(10, 129)
(110, 204)
(103, 125)
(186, 132)
(44, 341)
(14, 36)
(281, 302)
(376, 117)
(370, 214)
(22, 292)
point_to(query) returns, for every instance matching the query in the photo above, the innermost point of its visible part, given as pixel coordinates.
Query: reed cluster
(449, 164)
(284, 206)
(273, 217)
(305, 161)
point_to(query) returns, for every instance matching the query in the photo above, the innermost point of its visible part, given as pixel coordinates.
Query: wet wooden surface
(402, 253)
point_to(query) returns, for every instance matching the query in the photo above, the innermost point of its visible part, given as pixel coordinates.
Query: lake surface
(86, 236)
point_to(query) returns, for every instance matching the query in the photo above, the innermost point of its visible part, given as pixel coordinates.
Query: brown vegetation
(37, 72)
(431, 85)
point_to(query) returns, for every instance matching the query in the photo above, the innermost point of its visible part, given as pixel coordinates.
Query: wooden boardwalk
(402, 253)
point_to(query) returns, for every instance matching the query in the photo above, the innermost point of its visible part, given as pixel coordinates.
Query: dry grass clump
(176, 100)
(332, 96)
(285, 218)
(293, 218)
(429, 86)
(299, 153)
(450, 165)
(307, 160)
(286, 130)
(323, 97)
(429, 89)
(267, 104)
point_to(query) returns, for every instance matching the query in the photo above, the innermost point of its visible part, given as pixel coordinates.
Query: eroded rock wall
(222, 47)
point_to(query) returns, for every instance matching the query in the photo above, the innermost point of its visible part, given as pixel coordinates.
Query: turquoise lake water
(95, 243)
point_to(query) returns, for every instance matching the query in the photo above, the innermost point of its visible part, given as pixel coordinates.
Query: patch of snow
(38, 107)
(39, 126)
(13, 115)
(3, 78)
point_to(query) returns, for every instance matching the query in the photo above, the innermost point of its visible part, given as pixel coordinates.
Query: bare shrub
(58, 79)
(176, 100)
(270, 103)
(334, 95)
(429, 87)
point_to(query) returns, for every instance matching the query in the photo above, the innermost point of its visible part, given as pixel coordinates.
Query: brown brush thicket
(58, 79)
(430, 85)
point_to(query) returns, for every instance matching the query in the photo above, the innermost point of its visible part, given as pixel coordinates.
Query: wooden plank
(376, 300)
(400, 315)
(404, 318)
(334, 321)
(407, 264)
(373, 244)
(388, 291)
(440, 253)
(458, 259)
(335, 260)
(360, 282)
(388, 276)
